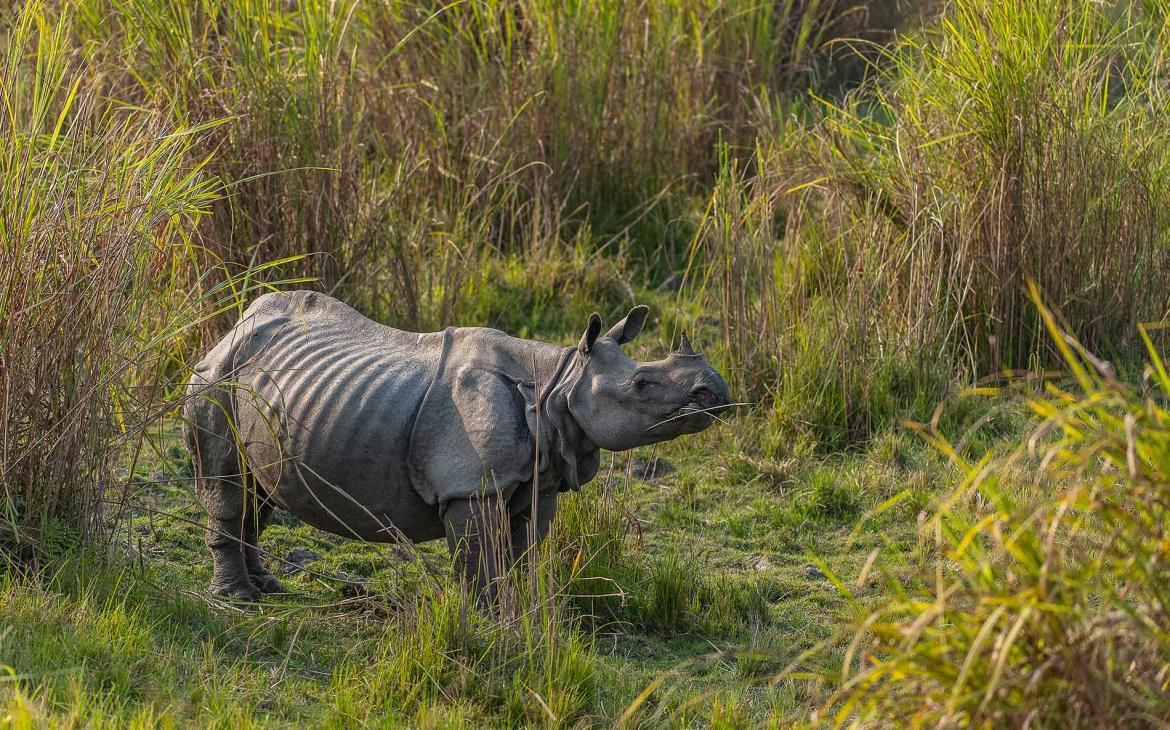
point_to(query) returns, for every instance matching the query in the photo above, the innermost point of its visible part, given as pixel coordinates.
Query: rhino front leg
(527, 532)
(477, 535)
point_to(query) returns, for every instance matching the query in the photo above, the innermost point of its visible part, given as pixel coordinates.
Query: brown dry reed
(99, 204)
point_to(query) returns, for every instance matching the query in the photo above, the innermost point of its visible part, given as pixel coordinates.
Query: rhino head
(621, 404)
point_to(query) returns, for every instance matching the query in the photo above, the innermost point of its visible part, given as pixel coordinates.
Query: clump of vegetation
(864, 258)
(98, 207)
(1047, 602)
(440, 650)
(398, 146)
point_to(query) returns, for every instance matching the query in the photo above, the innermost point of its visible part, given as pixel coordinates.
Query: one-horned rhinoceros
(378, 434)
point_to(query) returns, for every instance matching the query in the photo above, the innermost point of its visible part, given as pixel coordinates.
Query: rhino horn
(684, 346)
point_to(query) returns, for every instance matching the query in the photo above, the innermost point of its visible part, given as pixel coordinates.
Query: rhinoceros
(382, 435)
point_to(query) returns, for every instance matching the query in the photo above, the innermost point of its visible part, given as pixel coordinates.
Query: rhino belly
(327, 428)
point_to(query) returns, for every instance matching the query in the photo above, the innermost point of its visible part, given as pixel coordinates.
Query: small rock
(812, 572)
(650, 469)
(763, 564)
(296, 559)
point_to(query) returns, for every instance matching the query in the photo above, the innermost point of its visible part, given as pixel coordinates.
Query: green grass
(138, 640)
(1046, 600)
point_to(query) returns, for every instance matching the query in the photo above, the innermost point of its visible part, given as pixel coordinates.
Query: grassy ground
(728, 567)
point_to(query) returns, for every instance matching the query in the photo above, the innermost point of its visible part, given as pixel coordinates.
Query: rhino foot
(236, 591)
(266, 582)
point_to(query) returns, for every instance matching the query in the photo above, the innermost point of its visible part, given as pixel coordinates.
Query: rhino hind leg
(261, 577)
(228, 536)
(233, 511)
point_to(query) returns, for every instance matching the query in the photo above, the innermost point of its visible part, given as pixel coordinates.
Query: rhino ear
(628, 328)
(591, 333)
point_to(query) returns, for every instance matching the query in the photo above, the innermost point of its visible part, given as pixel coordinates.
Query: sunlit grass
(1046, 601)
(877, 245)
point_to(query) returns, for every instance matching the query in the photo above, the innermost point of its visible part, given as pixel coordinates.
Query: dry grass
(94, 204)
(99, 203)
(399, 144)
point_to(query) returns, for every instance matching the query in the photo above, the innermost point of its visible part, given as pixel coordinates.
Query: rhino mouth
(697, 417)
(700, 411)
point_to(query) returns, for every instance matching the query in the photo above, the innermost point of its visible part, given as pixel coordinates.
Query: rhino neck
(570, 452)
(567, 456)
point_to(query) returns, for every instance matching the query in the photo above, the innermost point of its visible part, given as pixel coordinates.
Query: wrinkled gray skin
(383, 435)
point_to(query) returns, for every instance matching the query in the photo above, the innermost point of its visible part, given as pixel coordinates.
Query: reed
(99, 208)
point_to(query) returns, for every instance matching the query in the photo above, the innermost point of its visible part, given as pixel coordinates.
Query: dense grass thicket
(1049, 607)
(866, 256)
(98, 209)
(844, 201)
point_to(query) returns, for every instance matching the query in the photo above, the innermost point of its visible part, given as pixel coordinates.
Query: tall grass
(293, 146)
(399, 145)
(103, 279)
(893, 233)
(96, 205)
(1046, 601)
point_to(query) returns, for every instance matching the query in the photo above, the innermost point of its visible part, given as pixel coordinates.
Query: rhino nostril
(703, 394)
